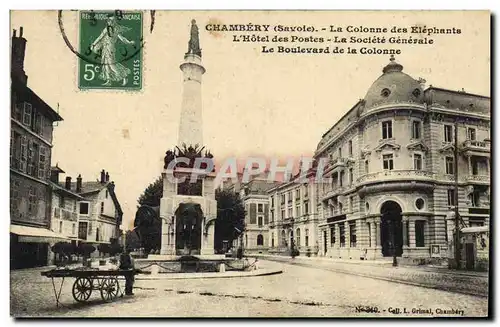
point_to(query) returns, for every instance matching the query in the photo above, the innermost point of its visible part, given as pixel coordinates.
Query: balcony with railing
(475, 147)
(402, 174)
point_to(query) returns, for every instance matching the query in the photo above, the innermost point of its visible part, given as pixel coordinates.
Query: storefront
(29, 246)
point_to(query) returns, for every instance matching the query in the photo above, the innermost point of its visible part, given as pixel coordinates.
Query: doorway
(391, 229)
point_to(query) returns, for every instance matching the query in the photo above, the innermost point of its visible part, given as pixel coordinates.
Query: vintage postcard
(250, 164)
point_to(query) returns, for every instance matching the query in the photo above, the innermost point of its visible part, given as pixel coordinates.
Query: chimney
(17, 57)
(79, 183)
(54, 176)
(107, 177)
(68, 183)
(103, 176)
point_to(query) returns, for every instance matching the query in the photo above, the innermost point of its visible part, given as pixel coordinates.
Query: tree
(132, 240)
(152, 194)
(230, 221)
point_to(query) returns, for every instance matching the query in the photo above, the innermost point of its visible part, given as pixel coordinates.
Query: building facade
(391, 170)
(99, 212)
(293, 218)
(30, 155)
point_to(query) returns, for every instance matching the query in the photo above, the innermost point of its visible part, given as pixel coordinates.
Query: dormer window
(385, 93)
(416, 93)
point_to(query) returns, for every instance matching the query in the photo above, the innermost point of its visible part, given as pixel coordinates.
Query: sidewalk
(471, 283)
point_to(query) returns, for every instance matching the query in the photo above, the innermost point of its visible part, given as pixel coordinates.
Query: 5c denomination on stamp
(111, 50)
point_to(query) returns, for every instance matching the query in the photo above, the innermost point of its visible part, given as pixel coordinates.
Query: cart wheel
(82, 288)
(109, 289)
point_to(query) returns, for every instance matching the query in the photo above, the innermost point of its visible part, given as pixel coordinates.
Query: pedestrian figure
(127, 263)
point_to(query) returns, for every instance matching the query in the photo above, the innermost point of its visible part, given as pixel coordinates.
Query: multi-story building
(30, 155)
(65, 203)
(392, 169)
(254, 195)
(100, 213)
(293, 217)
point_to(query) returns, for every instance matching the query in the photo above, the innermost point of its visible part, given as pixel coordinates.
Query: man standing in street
(127, 263)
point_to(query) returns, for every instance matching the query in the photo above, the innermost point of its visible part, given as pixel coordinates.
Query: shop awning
(36, 235)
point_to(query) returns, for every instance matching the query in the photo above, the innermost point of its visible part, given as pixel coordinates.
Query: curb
(264, 272)
(392, 280)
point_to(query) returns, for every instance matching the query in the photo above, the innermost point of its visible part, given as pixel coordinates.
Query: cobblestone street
(300, 291)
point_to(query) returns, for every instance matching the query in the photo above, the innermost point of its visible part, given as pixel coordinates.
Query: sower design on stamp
(111, 50)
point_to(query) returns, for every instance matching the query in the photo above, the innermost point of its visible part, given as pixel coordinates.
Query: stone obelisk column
(190, 127)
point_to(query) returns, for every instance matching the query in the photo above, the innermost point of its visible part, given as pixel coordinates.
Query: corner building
(391, 170)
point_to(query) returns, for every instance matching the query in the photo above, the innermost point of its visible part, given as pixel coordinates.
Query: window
(27, 114)
(351, 203)
(475, 199)
(350, 148)
(282, 214)
(387, 129)
(342, 235)
(351, 176)
(272, 201)
(73, 229)
(24, 153)
(340, 208)
(305, 192)
(450, 165)
(416, 129)
(60, 227)
(419, 233)
(341, 178)
(416, 93)
(102, 207)
(419, 203)
(32, 203)
(260, 220)
(290, 213)
(306, 208)
(475, 166)
(407, 223)
(366, 167)
(471, 134)
(82, 230)
(84, 208)
(37, 123)
(272, 240)
(307, 237)
(388, 161)
(332, 236)
(417, 161)
(260, 207)
(107, 194)
(352, 234)
(340, 152)
(42, 158)
(297, 210)
(297, 237)
(272, 215)
(260, 240)
(448, 133)
(290, 196)
(282, 198)
(451, 197)
(385, 93)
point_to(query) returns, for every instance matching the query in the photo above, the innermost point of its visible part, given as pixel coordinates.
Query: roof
(90, 187)
(60, 189)
(393, 86)
(23, 91)
(458, 100)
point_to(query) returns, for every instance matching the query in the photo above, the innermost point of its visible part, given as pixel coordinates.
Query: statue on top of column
(194, 41)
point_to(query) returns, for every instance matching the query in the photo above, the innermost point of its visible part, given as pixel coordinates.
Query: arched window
(283, 238)
(260, 239)
(307, 237)
(297, 237)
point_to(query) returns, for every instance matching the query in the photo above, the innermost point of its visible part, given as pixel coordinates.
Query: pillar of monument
(190, 127)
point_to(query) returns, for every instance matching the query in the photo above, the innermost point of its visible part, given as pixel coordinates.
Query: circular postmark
(112, 29)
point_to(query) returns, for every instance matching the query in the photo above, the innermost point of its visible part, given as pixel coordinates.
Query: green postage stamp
(111, 50)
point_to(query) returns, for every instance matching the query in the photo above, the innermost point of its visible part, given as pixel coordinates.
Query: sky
(254, 104)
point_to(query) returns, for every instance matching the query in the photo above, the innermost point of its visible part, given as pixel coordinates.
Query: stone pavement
(300, 291)
(472, 283)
